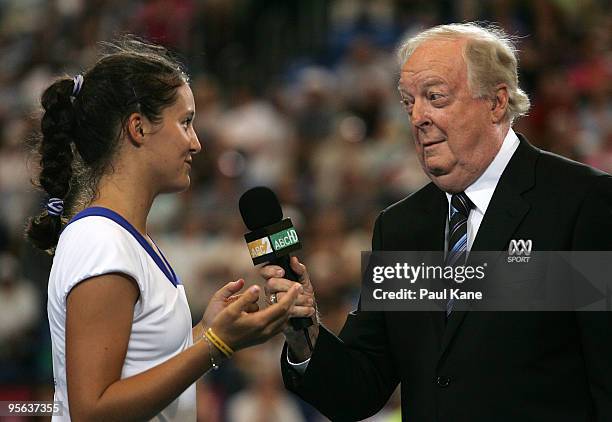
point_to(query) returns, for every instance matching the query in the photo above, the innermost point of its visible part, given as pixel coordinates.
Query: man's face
(453, 131)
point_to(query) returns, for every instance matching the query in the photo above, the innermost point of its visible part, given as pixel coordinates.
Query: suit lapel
(432, 220)
(437, 213)
(419, 227)
(427, 234)
(508, 207)
(504, 213)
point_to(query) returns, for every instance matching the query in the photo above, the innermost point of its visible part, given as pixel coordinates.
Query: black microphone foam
(259, 207)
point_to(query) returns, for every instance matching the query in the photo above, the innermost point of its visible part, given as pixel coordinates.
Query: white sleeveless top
(99, 241)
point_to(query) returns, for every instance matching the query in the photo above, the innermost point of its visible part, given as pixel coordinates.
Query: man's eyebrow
(433, 82)
(427, 84)
(401, 90)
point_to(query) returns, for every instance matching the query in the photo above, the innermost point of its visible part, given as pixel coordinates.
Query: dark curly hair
(80, 133)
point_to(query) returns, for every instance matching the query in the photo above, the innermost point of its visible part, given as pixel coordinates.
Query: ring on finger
(273, 298)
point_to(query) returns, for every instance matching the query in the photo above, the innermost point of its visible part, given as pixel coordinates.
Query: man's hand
(304, 306)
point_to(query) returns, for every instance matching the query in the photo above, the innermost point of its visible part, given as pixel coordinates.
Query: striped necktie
(457, 234)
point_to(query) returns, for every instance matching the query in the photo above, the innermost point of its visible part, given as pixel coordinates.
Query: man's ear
(499, 104)
(135, 128)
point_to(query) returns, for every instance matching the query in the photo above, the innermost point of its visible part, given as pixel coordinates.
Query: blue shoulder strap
(164, 265)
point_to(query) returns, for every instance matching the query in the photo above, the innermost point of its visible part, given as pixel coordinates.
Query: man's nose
(420, 114)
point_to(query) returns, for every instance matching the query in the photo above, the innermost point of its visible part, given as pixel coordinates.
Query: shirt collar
(481, 191)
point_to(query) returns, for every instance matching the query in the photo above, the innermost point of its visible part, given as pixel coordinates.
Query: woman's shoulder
(94, 246)
(96, 236)
(93, 229)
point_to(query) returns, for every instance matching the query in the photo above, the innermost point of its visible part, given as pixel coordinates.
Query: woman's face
(172, 144)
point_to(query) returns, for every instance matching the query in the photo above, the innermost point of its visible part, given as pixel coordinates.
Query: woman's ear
(135, 128)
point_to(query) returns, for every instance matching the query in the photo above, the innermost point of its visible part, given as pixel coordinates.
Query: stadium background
(296, 95)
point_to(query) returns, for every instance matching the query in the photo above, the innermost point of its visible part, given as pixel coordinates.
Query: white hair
(490, 55)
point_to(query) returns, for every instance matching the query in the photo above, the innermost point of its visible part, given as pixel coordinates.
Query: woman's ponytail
(56, 157)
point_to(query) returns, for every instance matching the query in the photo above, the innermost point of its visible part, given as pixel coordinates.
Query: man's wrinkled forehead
(438, 58)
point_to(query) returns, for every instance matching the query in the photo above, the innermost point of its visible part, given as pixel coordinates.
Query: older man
(459, 85)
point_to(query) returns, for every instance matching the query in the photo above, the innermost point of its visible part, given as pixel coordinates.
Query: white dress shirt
(480, 193)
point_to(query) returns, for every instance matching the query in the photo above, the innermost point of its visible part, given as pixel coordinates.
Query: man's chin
(447, 182)
(434, 171)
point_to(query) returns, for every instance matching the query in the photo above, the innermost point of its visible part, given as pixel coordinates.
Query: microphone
(272, 238)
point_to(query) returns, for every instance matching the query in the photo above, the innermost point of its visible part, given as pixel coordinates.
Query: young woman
(123, 343)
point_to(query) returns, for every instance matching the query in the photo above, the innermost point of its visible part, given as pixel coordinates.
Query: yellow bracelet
(219, 344)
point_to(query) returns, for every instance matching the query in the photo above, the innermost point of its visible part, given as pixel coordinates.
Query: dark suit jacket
(480, 366)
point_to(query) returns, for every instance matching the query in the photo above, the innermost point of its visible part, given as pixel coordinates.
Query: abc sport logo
(519, 250)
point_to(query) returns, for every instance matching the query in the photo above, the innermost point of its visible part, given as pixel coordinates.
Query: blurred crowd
(299, 96)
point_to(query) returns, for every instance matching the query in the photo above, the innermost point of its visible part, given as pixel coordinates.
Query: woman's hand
(239, 328)
(222, 298)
